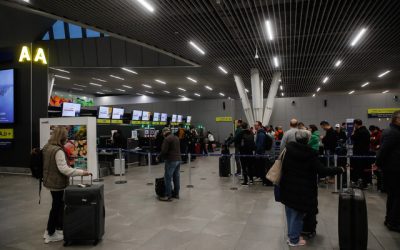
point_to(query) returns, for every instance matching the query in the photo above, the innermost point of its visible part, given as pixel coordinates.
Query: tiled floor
(209, 216)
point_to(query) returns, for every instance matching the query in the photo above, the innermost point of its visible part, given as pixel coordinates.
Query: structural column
(273, 90)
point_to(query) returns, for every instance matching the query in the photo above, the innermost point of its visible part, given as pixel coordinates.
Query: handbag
(277, 193)
(275, 172)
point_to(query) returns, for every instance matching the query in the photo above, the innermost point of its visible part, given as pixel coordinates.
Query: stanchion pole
(348, 171)
(328, 165)
(233, 160)
(120, 169)
(190, 171)
(149, 182)
(98, 171)
(336, 180)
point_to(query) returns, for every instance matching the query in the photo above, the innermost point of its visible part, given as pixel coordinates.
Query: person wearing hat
(340, 134)
(171, 153)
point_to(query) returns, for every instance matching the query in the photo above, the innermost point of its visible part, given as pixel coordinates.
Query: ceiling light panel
(386, 91)
(122, 90)
(247, 91)
(79, 85)
(191, 79)
(270, 32)
(357, 38)
(338, 63)
(197, 94)
(146, 86)
(223, 69)
(100, 93)
(197, 47)
(221, 94)
(61, 70)
(159, 81)
(208, 87)
(95, 84)
(365, 84)
(384, 73)
(318, 89)
(146, 5)
(182, 89)
(77, 89)
(117, 77)
(166, 91)
(351, 92)
(130, 71)
(62, 77)
(325, 80)
(98, 79)
(276, 62)
(149, 92)
(127, 86)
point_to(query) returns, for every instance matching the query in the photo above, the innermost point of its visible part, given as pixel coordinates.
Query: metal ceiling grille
(309, 37)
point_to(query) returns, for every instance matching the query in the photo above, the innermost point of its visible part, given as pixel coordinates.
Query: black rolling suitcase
(160, 187)
(353, 220)
(84, 213)
(224, 166)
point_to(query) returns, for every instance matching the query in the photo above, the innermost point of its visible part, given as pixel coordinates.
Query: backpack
(268, 142)
(247, 143)
(36, 165)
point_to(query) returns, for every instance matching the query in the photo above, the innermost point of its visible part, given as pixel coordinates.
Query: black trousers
(247, 168)
(393, 199)
(56, 213)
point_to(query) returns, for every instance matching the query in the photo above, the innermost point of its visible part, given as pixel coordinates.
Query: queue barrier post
(233, 162)
(190, 185)
(120, 181)
(149, 182)
(335, 157)
(98, 171)
(348, 171)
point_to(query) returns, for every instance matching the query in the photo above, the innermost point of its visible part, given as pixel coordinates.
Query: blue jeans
(294, 224)
(172, 172)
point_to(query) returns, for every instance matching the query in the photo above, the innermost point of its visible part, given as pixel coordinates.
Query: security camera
(396, 98)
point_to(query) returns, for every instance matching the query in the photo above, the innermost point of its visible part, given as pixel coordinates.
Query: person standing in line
(301, 125)
(289, 135)
(211, 141)
(56, 173)
(279, 133)
(376, 134)
(247, 146)
(341, 137)
(236, 141)
(315, 138)
(361, 142)
(329, 140)
(263, 143)
(171, 153)
(388, 160)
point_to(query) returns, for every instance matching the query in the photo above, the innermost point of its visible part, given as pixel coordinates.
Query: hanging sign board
(381, 113)
(224, 119)
(6, 133)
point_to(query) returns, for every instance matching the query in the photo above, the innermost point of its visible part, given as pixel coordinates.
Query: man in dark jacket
(262, 142)
(246, 148)
(171, 153)
(361, 140)
(388, 160)
(298, 185)
(236, 140)
(330, 139)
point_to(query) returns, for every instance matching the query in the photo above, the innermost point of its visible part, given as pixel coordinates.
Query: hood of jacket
(300, 151)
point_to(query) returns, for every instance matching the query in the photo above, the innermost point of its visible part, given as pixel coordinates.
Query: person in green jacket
(315, 138)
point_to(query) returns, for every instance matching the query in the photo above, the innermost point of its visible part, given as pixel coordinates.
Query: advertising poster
(7, 96)
(76, 146)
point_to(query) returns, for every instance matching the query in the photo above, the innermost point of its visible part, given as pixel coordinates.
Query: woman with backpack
(246, 148)
(56, 173)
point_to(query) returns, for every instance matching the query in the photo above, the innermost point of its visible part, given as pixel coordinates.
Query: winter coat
(361, 140)
(388, 158)
(314, 141)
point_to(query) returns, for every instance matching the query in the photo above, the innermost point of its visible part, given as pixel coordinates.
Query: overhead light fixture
(122, 90)
(182, 89)
(280, 80)
(100, 93)
(386, 91)
(166, 91)
(62, 77)
(281, 87)
(130, 71)
(194, 45)
(351, 92)
(117, 77)
(61, 70)
(223, 69)
(282, 94)
(338, 63)
(269, 30)
(365, 84)
(276, 62)
(208, 87)
(182, 96)
(358, 37)
(247, 91)
(318, 89)
(221, 94)
(256, 56)
(77, 89)
(384, 73)
(325, 80)
(313, 95)
(197, 94)
(126, 86)
(98, 79)
(145, 4)
(149, 92)
(159, 81)
(79, 85)
(146, 86)
(191, 79)
(95, 84)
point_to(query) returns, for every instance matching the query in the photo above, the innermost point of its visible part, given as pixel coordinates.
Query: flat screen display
(156, 117)
(179, 119)
(173, 118)
(117, 113)
(146, 116)
(164, 117)
(137, 115)
(70, 109)
(7, 96)
(105, 112)
(188, 119)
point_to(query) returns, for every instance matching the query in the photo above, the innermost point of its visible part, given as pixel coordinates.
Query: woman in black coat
(298, 185)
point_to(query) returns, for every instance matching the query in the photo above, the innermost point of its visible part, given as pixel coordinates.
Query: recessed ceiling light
(338, 63)
(127, 86)
(365, 84)
(182, 96)
(149, 92)
(281, 87)
(221, 94)
(313, 95)
(95, 84)
(351, 92)
(117, 77)
(79, 85)
(100, 93)
(145, 4)
(208, 87)
(166, 91)
(130, 71)
(358, 37)
(106, 90)
(280, 80)
(223, 69)
(197, 94)
(191, 79)
(182, 89)
(384, 73)
(146, 86)
(122, 90)
(386, 91)
(276, 62)
(77, 89)
(63, 77)
(325, 80)
(269, 30)
(159, 81)
(61, 70)
(318, 89)
(282, 94)
(98, 79)
(247, 91)
(194, 45)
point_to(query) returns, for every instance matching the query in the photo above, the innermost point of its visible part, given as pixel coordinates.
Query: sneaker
(175, 197)
(245, 184)
(251, 182)
(164, 199)
(53, 238)
(301, 242)
(309, 235)
(46, 234)
(60, 232)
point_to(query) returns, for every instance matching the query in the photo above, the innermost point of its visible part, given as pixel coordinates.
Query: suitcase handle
(91, 179)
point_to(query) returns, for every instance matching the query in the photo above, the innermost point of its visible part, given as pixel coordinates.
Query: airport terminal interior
(200, 124)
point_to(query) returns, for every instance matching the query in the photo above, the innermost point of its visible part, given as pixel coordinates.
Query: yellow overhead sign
(6, 133)
(224, 119)
(381, 113)
(25, 55)
(103, 121)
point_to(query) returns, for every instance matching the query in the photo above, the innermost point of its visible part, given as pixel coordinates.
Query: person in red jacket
(376, 134)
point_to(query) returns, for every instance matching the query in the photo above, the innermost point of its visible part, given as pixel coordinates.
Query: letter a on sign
(40, 56)
(24, 56)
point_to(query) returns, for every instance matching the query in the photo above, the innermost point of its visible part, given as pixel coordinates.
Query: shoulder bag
(274, 174)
